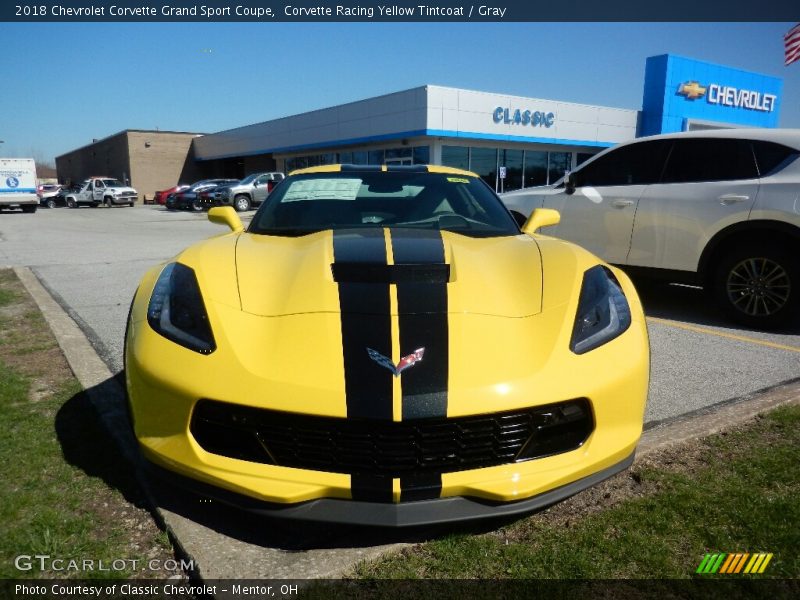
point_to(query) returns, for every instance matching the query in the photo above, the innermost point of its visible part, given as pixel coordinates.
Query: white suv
(720, 208)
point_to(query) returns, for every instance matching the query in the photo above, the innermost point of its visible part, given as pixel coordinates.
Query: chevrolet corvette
(386, 346)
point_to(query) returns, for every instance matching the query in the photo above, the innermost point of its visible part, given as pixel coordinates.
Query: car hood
(120, 189)
(500, 276)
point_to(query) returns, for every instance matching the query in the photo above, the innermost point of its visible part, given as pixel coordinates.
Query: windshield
(306, 203)
(112, 183)
(248, 179)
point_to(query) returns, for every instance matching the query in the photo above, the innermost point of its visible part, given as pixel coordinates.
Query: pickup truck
(102, 190)
(249, 192)
(18, 184)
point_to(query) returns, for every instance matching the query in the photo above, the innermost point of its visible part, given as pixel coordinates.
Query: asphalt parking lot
(91, 260)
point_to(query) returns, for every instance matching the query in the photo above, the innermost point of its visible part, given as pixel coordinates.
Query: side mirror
(541, 217)
(569, 183)
(225, 215)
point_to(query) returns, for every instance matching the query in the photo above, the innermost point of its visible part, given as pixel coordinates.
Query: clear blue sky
(68, 83)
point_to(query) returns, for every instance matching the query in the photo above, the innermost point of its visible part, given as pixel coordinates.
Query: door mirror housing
(226, 215)
(541, 217)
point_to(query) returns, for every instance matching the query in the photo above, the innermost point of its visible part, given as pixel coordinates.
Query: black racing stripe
(420, 486)
(423, 324)
(371, 488)
(367, 273)
(346, 168)
(407, 168)
(366, 323)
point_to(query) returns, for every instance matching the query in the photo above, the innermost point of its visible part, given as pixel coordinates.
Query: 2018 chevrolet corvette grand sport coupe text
(386, 346)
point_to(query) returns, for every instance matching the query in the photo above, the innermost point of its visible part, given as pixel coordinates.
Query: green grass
(740, 494)
(61, 473)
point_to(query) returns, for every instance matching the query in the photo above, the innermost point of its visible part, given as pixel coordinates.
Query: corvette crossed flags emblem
(405, 363)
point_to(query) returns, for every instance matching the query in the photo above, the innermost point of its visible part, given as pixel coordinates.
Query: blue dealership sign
(680, 90)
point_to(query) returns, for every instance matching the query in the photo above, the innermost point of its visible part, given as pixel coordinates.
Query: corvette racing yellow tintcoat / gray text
(387, 346)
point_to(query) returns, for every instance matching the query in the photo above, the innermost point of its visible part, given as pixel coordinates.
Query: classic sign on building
(523, 117)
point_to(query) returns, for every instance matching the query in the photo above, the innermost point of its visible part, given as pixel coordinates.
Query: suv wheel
(71, 203)
(51, 203)
(758, 286)
(197, 205)
(108, 202)
(241, 203)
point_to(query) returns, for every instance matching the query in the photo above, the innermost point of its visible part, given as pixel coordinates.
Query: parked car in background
(61, 197)
(102, 190)
(717, 208)
(205, 198)
(161, 197)
(48, 194)
(186, 199)
(249, 192)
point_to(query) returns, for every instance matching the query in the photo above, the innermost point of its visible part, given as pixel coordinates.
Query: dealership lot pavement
(92, 259)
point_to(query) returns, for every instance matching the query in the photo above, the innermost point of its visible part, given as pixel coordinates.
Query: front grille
(359, 446)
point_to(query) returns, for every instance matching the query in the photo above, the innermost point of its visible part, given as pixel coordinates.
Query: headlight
(603, 311)
(177, 312)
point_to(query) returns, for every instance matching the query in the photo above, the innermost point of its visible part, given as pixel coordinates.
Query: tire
(51, 203)
(197, 205)
(758, 286)
(108, 202)
(29, 208)
(241, 203)
(71, 203)
(131, 204)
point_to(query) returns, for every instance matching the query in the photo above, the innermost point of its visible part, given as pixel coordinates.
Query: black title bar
(268, 11)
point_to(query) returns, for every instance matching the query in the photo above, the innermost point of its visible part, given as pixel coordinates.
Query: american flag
(791, 43)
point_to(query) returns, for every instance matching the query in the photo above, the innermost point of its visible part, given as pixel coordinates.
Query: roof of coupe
(384, 346)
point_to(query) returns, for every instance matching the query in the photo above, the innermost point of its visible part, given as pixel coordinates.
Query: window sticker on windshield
(322, 189)
(457, 180)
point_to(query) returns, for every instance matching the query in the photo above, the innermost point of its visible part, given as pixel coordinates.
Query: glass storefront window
(484, 163)
(455, 156)
(345, 158)
(582, 157)
(360, 158)
(327, 159)
(535, 168)
(512, 161)
(398, 153)
(375, 157)
(559, 163)
(422, 155)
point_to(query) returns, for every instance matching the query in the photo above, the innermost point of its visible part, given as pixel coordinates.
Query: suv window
(636, 164)
(713, 159)
(772, 157)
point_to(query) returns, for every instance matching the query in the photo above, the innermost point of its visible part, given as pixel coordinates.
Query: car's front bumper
(375, 514)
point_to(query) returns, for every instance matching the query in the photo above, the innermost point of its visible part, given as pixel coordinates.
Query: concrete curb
(217, 556)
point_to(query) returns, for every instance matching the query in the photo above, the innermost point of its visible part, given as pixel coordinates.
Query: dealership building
(510, 141)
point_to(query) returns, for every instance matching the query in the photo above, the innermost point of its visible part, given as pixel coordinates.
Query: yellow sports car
(386, 346)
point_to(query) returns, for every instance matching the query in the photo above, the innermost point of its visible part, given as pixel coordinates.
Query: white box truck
(18, 184)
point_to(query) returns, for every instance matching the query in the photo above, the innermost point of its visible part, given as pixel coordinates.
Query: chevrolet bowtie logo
(692, 90)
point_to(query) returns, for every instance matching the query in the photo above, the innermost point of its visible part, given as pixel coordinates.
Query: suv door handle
(732, 199)
(621, 203)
